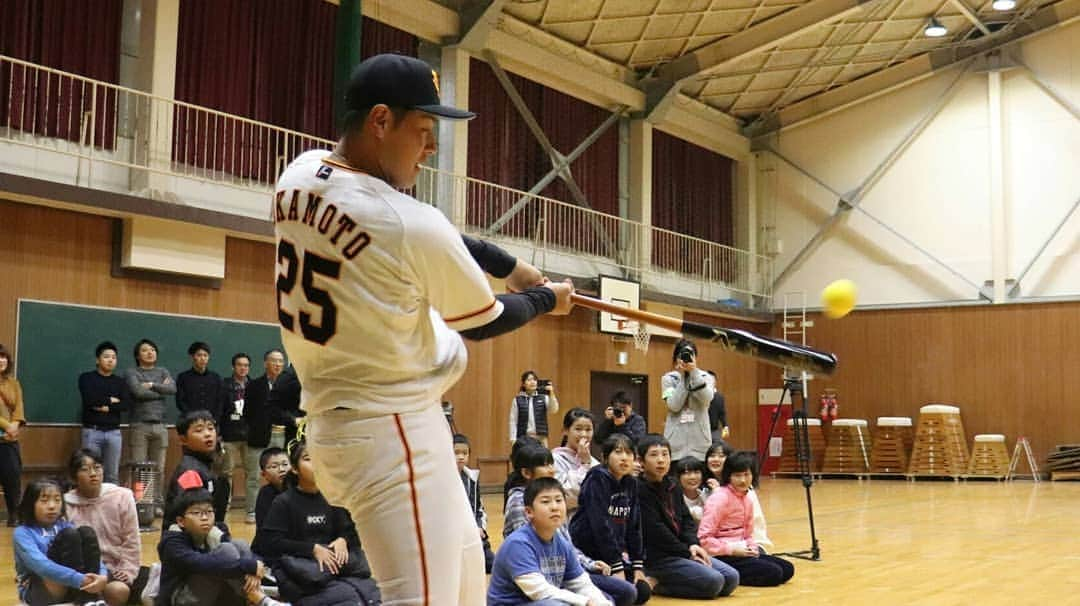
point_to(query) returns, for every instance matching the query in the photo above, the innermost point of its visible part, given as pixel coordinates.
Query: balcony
(69, 129)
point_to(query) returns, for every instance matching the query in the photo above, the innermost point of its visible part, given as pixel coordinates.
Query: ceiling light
(934, 29)
(1004, 5)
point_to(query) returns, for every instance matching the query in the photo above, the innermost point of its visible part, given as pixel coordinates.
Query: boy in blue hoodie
(607, 525)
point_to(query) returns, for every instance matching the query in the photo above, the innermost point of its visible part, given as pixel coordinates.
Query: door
(604, 385)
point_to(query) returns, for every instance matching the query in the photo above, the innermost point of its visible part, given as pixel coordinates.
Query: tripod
(796, 386)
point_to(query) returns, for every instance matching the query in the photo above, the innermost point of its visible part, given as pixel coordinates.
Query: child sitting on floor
(470, 479)
(54, 561)
(535, 564)
(607, 525)
(200, 564)
(313, 547)
(727, 528)
(532, 462)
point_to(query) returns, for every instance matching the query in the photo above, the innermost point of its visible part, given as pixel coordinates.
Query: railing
(648, 253)
(98, 122)
(498, 212)
(121, 126)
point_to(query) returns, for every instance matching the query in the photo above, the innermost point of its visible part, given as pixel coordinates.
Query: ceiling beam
(477, 23)
(913, 70)
(544, 58)
(422, 18)
(541, 57)
(662, 86)
(966, 11)
(705, 126)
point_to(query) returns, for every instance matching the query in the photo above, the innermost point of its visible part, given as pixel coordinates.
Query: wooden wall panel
(567, 350)
(58, 255)
(1011, 369)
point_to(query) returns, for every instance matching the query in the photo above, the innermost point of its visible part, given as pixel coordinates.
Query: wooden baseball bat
(777, 352)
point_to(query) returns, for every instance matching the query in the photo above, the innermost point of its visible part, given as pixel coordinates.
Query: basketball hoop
(641, 333)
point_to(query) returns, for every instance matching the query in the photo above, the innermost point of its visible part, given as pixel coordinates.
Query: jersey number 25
(313, 265)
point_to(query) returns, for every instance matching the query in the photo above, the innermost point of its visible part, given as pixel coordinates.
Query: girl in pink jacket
(727, 527)
(110, 510)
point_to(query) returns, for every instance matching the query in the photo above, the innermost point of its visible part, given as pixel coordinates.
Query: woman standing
(530, 408)
(12, 419)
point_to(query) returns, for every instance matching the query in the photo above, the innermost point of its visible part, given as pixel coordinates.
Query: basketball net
(641, 333)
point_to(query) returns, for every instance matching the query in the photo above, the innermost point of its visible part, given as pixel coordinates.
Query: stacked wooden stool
(848, 450)
(940, 447)
(893, 438)
(989, 457)
(788, 461)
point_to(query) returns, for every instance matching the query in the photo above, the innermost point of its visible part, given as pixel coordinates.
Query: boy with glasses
(200, 564)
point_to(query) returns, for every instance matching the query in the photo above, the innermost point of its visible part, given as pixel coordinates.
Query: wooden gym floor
(882, 543)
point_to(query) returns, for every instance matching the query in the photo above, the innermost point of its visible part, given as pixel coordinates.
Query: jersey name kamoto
(323, 217)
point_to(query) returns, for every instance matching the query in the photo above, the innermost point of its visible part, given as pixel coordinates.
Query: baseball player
(373, 289)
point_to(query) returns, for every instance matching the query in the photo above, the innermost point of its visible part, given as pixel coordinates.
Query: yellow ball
(839, 298)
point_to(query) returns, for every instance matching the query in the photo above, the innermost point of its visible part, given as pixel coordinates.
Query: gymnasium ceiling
(764, 63)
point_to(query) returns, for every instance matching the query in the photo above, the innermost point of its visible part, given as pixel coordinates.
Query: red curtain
(691, 194)
(270, 62)
(70, 35)
(503, 150)
(377, 37)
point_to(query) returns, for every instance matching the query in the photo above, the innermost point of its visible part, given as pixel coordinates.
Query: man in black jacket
(260, 415)
(199, 388)
(285, 402)
(105, 396)
(674, 562)
(619, 417)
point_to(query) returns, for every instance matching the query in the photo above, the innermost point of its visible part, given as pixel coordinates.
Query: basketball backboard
(625, 293)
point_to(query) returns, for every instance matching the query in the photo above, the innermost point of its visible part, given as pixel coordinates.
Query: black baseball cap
(398, 81)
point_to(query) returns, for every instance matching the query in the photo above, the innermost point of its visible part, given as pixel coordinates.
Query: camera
(618, 411)
(686, 354)
(543, 386)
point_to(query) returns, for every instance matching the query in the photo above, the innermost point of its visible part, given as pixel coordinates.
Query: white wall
(938, 192)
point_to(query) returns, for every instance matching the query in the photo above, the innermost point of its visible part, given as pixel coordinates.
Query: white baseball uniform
(372, 287)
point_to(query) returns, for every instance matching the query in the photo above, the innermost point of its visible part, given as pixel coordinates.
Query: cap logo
(435, 79)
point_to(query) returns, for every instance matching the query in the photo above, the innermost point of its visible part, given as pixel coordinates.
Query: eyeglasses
(200, 513)
(91, 469)
(277, 466)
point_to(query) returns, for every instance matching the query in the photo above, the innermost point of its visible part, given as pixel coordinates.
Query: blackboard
(56, 344)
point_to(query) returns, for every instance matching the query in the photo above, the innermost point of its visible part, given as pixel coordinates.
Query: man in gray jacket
(149, 384)
(687, 390)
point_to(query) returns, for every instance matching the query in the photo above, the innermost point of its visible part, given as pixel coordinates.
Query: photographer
(619, 417)
(687, 390)
(530, 408)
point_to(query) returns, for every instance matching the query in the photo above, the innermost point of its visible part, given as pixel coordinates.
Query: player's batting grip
(771, 351)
